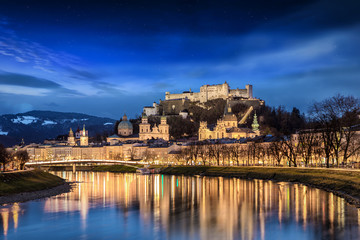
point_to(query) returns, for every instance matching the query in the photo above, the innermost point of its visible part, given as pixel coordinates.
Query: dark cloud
(14, 79)
(27, 81)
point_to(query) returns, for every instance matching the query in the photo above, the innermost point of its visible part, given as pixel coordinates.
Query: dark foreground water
(130, 206)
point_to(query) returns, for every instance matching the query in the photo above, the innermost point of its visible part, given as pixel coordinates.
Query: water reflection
(10, 215)
(179, 207)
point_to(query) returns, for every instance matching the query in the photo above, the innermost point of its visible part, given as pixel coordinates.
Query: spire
(163, 117)
(255, 124)
(124, 117)
(84, 132)
(71, 133)
(227, 109)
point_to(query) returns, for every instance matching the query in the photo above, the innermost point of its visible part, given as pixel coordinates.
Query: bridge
(78, 162)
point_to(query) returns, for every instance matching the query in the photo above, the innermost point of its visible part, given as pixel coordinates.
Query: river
(130, 206)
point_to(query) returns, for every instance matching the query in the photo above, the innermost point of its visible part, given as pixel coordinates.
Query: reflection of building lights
(5, 220)
(219, 205)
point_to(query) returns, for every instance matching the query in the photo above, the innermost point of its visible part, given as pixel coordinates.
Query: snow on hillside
(25, 120)
(30, 119)
(108, 123)
(3, 133)
(48, 122)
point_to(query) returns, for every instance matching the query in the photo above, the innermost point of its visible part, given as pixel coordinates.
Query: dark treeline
(278, 121)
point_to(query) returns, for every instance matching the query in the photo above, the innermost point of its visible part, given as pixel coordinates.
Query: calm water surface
(130, 206)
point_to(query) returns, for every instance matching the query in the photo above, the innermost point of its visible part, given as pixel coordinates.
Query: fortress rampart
(210, 92)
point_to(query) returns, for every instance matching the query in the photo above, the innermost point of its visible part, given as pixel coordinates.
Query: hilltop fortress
(210, 92)
(178, 103)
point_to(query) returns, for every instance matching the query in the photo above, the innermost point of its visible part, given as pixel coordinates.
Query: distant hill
(36, 126)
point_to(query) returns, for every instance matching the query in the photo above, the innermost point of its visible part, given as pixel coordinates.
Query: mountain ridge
(37, 125)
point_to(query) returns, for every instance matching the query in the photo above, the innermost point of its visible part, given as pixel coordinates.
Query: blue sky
(109, 57)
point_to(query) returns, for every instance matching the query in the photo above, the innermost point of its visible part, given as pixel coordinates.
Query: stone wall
(210, 92)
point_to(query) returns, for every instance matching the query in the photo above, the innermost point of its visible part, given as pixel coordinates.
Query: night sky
(109, 57)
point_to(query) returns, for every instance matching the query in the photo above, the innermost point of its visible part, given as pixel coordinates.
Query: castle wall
(255, 103)
(210, 92)
(153, 110)
(172, 107)
(191, 96)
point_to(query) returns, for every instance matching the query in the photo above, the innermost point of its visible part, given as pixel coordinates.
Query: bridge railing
(65, 161)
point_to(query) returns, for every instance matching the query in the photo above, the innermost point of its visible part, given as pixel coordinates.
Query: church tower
(84, 139)
(144, 127)
(255, 126)
(164, 128)
(230, 119)
(71, 138)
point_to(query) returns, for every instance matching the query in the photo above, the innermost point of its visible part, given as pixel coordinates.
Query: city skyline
(105, 59)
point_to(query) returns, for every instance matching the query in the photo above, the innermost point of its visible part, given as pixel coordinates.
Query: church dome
(125, 124)
(230, 117)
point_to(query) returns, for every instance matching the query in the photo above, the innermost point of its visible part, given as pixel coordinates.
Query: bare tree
(215, 152)
(22, 157)
(275, 149)
(203, 153)
(236, 152)
(226, 154)
(355, 148)
(193, 153)
(149, 156)
(251, 149)
(259, 153)
(308, 141)
(180, 157)
(290, 150)
(336, 116)
(4, 157)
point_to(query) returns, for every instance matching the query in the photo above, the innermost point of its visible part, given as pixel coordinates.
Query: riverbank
(114, 168)
(29, 185)
(343, 183)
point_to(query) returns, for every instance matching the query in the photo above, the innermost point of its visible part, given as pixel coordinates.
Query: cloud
(107, 89)
(161, 85)
(29, 85)
(82, 74)
(29, 52)
(26, 81)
